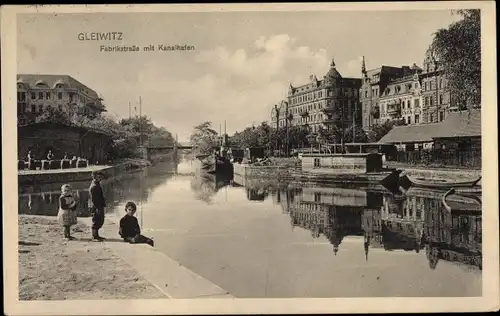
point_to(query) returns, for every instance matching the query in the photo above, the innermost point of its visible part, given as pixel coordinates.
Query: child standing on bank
(129, 227)
(67, 210)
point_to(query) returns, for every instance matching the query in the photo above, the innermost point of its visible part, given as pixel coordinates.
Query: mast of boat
(140, 120)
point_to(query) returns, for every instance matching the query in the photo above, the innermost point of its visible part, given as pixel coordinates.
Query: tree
(380, 130)
(361, 136)
(203, 138)
(458, 50)
(53, 115)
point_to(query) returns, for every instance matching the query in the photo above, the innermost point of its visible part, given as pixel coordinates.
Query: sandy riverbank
(51, 268)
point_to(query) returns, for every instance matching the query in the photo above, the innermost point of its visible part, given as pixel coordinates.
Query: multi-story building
(279, 114)
(402, 98)
(38, 93)
(323, 103)
(374, 84)
(435, 93)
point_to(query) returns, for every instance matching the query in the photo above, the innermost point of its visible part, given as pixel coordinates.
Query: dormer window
(59, 86)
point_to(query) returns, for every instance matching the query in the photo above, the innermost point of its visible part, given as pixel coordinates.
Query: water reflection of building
(452, 237)
(403, 223)
(332, 212)
(259, 194)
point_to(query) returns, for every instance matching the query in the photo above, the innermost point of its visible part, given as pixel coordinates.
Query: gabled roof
(411, 133)
(456, 124)
(52, 80)
(461, 124)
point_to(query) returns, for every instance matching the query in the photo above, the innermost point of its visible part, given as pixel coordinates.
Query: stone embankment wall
(271, 172)
(34, 178)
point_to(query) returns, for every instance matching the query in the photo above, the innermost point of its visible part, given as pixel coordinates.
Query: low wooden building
(458, 130)
(359, 163)
(62, 139)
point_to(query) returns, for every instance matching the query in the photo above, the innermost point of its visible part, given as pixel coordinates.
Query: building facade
(332, 100)
(415, 95)
(36, 94)
(435, 94)
(402, 99)
(279, 114)
(374, 84)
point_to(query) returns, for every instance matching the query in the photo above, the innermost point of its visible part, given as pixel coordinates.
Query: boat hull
(463, 205)
(441, 184)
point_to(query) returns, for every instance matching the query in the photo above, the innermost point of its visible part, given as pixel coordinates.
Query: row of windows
(307, 119)
(33, 108)
(428, 85)
(307, 97)
(23, 107)
(319, 94)
(310, 107)
(431, 85)
(430, 100)
(21, 96)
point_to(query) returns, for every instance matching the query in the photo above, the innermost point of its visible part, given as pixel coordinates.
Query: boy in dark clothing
(129, 227)
(98, 205)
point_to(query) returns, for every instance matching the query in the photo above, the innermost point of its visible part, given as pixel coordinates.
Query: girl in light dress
(67, 210)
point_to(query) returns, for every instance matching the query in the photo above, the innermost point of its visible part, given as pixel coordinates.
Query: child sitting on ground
(67, 210)
(129, 227)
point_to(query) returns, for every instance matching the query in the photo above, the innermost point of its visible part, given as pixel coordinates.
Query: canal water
(289, 240)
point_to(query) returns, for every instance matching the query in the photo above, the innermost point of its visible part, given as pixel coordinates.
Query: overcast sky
(241, 66)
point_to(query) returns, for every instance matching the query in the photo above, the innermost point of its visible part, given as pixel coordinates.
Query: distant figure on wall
(31, 157)
(50, 155)
(65, 156)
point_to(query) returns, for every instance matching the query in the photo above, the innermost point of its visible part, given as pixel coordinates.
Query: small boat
(462, 203)
(441, 183)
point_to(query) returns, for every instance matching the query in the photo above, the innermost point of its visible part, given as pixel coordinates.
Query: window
(33, 108)
(59, 95)
(440, 83)
(426, 100)
(441, 116)
(47, 95)
(317, 196)
(33, 95)
(40, 95)
(441, 99)
(409, 119)
(316, 163)
(416, 102)
(431, 101)
(417, 119)
(40, 108)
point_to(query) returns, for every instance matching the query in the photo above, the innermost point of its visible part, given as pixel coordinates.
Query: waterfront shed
(342, 163)
(93, 145)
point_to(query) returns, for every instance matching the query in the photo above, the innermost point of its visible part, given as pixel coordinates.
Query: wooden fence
(439, 158)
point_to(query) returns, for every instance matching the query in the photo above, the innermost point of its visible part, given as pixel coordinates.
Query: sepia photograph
(272, 158)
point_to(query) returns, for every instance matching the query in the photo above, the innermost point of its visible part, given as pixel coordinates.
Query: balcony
(329, 109)
(394, 109)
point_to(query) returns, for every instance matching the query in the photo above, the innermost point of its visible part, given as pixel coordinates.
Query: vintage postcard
(250, 158)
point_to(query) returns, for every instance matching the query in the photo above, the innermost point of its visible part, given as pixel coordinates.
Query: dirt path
(51, 268)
